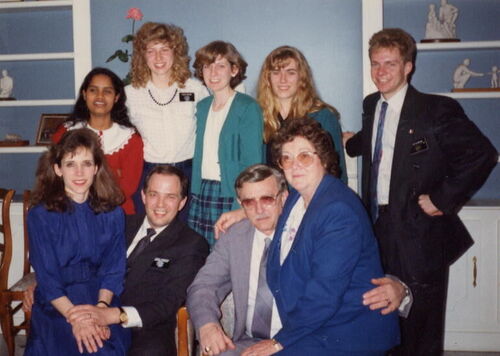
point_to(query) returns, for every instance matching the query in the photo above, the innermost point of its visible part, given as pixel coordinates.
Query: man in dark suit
(422, 160)
(158, 271)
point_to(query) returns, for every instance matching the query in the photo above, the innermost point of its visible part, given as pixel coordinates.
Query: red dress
(123, 149)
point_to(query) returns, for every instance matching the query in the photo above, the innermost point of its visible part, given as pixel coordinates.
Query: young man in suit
(234, 265)
(158, 271)
(422, 160)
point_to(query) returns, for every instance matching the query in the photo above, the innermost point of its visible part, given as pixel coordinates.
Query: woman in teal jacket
(228, 136)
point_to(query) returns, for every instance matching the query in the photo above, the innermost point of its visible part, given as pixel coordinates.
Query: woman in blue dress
(77, 248)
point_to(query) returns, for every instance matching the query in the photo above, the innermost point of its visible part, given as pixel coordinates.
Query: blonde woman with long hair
(286, 90)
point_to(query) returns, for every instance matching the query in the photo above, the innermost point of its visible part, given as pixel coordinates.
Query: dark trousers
(422, 332)
(185, 166)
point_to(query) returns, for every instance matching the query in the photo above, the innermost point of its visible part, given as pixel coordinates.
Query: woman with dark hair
(101, 108)
(228, 136)
(77, 248)
(162, 99)
(322, 257)
(286, 90)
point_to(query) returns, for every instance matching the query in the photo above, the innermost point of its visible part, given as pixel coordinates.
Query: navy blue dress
(74, 254)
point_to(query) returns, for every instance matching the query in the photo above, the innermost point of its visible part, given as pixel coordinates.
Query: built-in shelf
(54, 102)
(35, 4)
(447, 46)
(23, 149)
(36, 56)
(472, 95)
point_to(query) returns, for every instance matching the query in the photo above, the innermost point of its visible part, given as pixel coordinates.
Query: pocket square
(160, 262)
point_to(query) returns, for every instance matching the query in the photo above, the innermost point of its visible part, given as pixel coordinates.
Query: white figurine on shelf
(6, 85)
(494, 77)
(442, 26)
(447, 16)
(462, 74)
(433, 26)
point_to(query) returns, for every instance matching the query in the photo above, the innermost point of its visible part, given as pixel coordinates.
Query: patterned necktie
(141, 245)
(261, 322)
(377, 157)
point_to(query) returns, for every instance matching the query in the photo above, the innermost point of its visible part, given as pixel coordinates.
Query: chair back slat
(6, 196)
(26, 207)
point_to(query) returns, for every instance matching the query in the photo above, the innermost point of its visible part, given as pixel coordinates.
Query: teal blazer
(240, 142)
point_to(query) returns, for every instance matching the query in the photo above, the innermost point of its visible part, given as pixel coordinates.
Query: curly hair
(305, 101)
(394, 38)
(119, 113)
(312, 131)
(209, 53)
(104, 193)
(153, 32)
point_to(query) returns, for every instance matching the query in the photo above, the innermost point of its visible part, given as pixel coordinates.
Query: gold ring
(207, 349)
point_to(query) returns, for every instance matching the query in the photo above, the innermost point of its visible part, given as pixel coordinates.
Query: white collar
(397, 100)
(112, 139)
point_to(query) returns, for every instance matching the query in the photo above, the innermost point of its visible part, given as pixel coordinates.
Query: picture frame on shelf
(47, 127)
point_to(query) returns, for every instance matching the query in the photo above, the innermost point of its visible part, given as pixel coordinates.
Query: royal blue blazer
(318, 289)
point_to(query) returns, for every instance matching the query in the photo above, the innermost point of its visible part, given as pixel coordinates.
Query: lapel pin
(410, 131)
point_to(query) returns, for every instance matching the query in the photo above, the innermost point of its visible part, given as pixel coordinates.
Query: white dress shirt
(134, 319)
(395, 103)
(257, 251)
(168, 131)
(291, 226)
(210, 167)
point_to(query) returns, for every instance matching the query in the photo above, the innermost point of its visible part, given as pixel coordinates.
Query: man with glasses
(234, 265)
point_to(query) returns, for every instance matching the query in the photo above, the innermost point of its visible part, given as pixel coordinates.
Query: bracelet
(103, 302)
(277, 345)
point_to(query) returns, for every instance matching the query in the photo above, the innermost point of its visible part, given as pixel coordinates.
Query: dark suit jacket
(454, 160)
(157, 293)
(318, 289)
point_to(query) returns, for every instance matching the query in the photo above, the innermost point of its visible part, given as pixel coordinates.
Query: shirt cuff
(134, 319)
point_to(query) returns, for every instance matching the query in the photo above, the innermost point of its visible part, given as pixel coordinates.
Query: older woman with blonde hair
(286, 90)
(162, 98)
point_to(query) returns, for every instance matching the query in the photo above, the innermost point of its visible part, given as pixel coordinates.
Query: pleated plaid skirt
(206, 208)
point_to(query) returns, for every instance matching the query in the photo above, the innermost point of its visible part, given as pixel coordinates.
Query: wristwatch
(123, 316)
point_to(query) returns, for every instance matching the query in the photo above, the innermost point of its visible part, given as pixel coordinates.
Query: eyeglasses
(305, 159)
(265, 200)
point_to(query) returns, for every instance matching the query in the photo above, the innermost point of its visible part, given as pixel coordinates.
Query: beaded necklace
(162, 104)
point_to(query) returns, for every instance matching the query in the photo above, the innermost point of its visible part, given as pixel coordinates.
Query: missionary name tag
(186, 96)
(419, 146)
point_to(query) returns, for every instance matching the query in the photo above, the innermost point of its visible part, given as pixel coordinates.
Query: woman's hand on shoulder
(226, 220)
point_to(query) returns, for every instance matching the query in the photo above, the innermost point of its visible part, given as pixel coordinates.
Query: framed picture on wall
(48, 126)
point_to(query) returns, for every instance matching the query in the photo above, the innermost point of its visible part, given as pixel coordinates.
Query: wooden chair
(184, 333)
(14, 294)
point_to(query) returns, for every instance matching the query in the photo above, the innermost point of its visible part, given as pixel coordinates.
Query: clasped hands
(89, 326)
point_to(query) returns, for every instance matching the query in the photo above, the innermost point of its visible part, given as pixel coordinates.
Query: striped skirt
(207, 207)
